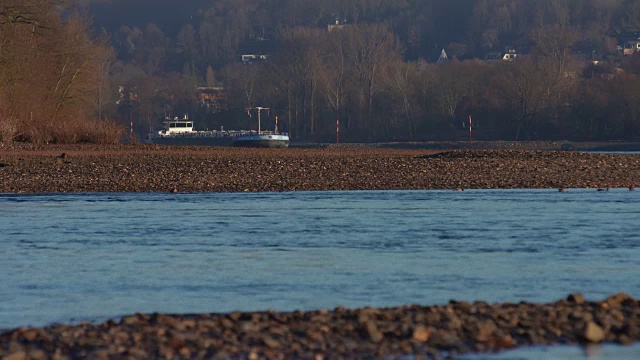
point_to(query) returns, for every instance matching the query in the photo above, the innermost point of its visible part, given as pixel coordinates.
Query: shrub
(103, 132)
(8, 128)
(87, 131)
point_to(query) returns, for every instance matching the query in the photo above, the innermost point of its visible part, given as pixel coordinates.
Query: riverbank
(608, 146)
(425, 331)
(144, 168)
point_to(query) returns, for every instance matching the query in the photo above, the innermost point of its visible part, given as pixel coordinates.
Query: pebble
(576, 298)
(593, 333)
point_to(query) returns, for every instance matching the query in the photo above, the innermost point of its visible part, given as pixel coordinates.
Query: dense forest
(81, 70)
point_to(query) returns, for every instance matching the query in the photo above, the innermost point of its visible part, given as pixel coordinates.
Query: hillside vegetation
(376, 71)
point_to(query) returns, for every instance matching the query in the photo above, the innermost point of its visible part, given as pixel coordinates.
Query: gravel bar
(130, 168)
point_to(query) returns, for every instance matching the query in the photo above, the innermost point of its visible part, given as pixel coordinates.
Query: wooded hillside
(377, 70)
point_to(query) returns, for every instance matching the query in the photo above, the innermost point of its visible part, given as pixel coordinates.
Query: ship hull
(193, 141)
(262, 141)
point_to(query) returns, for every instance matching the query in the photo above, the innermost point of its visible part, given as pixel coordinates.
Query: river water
(75, 257)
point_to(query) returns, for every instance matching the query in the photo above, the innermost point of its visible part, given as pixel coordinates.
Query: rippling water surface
(67, 258)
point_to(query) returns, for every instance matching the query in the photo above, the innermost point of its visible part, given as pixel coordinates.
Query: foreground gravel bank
(127, 168)
(431, 332)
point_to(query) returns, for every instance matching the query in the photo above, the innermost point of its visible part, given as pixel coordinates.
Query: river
(89, 257)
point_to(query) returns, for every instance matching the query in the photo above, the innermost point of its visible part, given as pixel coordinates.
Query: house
(509, 54)
(336, 26)
(630, 43)
(212, 98)
(250, 58)
(443, 58)
(596, 58)
(631, 47)
(127, 94)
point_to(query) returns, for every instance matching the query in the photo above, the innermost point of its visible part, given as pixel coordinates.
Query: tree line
(377, 73)
(358, 75)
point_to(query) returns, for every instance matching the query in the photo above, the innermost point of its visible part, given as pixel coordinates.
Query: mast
(259, 108)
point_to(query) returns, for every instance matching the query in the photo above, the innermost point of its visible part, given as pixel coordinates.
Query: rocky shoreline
(429, 332)
(143, 168)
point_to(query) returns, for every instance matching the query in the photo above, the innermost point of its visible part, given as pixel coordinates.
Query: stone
(593, 333)
(137, 353)
(375, 335)
(618, 299)
(30, 335)
(271, 342)
(37, 354)
(184, 352)
(18, 355)
(444, 340)
(576, 298)
(421, 334)
(484, 329)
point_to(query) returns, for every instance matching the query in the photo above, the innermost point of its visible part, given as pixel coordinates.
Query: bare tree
(492, 19)
(624, 118)
(75, 58)
(243, 86)
(555, 42)
(529, 89)
(334, 71)
(589, 107)
(27, 12)
(297, 68)
(186, 44)
(152, 49)
(210, 77)
(370, 49)
(104, 87)
(456, 82)
(49, 66)
(401, 80)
